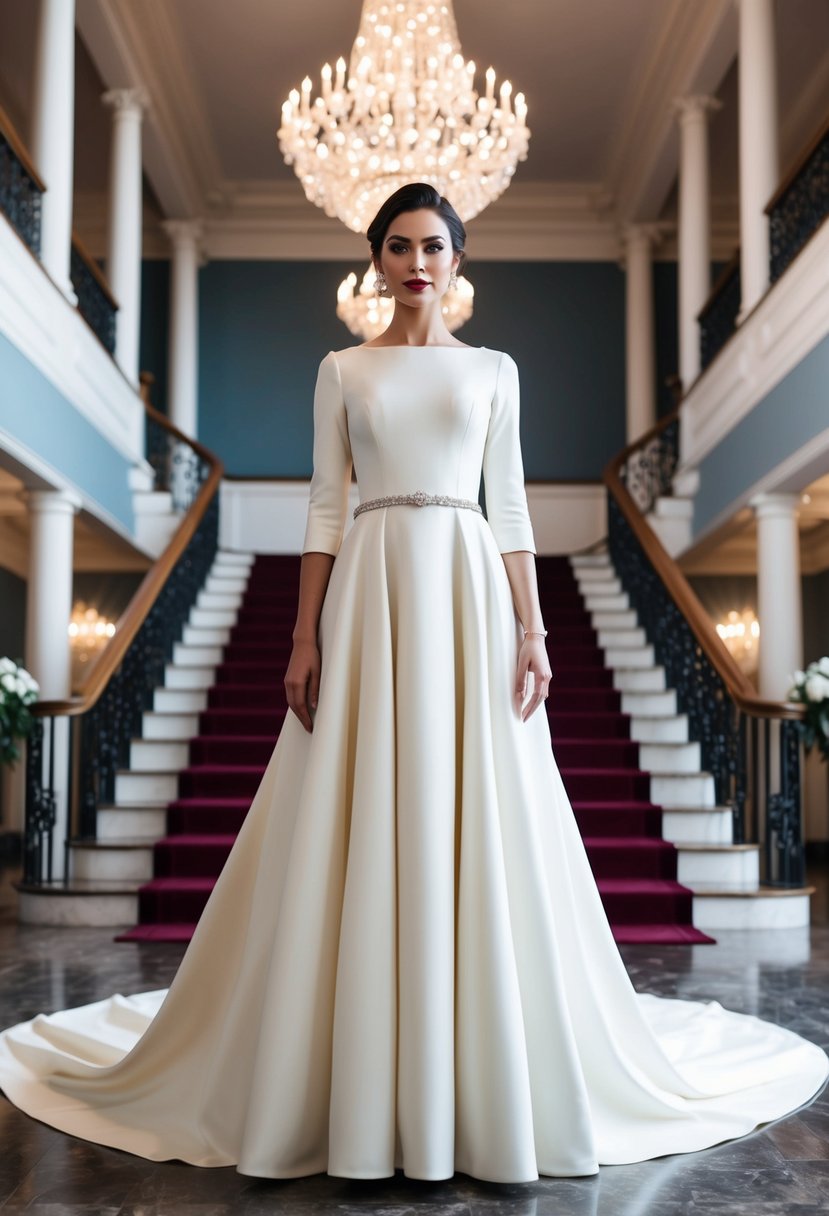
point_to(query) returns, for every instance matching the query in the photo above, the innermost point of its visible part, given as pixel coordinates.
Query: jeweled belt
(418, 499)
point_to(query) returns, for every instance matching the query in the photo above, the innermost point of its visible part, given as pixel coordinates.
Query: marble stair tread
(694, 846)
(149, 804)
(760, 892)
(126, 842)
(80, 886)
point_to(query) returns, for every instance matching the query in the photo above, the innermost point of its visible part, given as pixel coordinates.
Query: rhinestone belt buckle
(419, 498)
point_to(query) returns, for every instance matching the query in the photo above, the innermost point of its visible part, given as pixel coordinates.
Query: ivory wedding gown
(405, 961)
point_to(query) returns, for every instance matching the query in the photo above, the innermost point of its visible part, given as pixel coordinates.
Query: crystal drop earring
(453, 280)
(380, 286)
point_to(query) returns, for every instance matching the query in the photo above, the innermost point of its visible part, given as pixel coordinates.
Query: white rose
(823, 665)
(799, 677)
(9, 682)
(817, 688)
(20, 686)
(6, 665)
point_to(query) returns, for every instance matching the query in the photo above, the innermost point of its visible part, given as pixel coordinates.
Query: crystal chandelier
(407, 111)
(368, 315)
(741, 633)
(88, 631)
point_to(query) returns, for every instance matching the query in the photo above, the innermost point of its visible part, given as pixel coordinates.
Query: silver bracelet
(535, 633)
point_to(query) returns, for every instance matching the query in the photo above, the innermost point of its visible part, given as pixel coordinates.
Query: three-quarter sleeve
(506, 497)
(328, 502)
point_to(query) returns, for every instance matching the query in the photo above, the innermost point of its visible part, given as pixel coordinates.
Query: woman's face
(417, 249)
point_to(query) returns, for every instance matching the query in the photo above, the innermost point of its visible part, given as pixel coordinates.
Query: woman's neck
(417, 327)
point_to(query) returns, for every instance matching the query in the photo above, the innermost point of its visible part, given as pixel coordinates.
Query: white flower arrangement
(811, 689)
(18, 690)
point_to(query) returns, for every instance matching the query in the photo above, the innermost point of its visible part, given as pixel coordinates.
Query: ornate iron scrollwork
(94, 304)
(800, 210)
(718, 320)
(732, 747)
(649, 471)
(20, 197)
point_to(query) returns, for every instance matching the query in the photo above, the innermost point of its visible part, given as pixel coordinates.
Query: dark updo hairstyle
(412, 197)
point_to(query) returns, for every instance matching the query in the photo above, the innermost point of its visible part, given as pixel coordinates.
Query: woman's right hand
(302, 681)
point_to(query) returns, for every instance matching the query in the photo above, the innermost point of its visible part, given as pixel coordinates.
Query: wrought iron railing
(718, 318)
(751, 746)
(796, 210)
(76, 747)
(800, 204)
(96, 303)
(21, 189)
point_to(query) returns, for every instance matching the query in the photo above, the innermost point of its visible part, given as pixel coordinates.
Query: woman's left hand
(532, 657)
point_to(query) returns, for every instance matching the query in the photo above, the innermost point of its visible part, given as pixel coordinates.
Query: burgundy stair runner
(635, 868)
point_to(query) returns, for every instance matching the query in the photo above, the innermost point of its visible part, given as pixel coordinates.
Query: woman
(405, 962)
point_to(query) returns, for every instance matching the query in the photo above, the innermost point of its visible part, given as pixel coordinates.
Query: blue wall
(795, 411)
(264, 326)
(35, 413)
(264, 330)
(155, 318)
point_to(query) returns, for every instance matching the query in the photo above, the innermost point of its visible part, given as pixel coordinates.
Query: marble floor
(784, 1168)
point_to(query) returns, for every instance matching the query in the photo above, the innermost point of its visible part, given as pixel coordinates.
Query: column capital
(768, 506)
(646, 232)
(61, 502)
(695, 107)
(184, 232)
(132, 102)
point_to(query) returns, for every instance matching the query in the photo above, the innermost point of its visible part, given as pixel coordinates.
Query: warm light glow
(741, 633)
(88, 631)
(405, 111)
(368, 315)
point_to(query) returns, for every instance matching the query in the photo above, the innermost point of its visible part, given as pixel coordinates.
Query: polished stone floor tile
(779, 1170)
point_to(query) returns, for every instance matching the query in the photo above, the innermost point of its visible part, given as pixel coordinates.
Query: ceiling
(599, 77)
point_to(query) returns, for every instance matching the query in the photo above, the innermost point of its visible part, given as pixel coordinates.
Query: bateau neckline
(415, 346)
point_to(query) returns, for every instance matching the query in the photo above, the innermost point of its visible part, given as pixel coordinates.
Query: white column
(125, 220)
(640, 366)
(779, 606)
(52, 134)
(694, 239)
(758, 144)
(182, 390)
(48, 610)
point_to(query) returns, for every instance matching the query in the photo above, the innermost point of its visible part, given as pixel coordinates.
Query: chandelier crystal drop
(406, 111)
(368, 315)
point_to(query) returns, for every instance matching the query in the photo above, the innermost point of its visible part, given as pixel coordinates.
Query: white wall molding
(269, 516)
(788, 322)
(52, 335)
(533, 222)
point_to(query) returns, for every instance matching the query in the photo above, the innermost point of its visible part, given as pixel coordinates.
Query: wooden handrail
(136, 612)
(739, 687)
(94, 269)
(798, 166)
(9, 132)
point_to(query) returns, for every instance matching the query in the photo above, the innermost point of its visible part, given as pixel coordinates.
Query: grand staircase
(660, 848)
